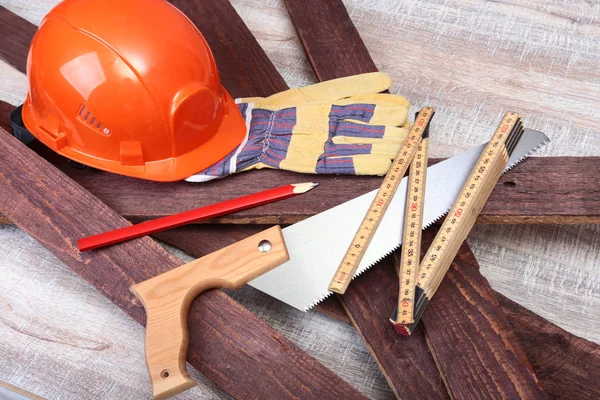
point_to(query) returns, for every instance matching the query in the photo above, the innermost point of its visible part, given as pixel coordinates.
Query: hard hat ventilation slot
(86, 116)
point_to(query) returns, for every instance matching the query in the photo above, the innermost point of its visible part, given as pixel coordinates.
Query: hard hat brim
(229, 135)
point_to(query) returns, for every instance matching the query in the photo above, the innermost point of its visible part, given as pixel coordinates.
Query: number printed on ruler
(378, 207)
(463, 208)
(411, 235)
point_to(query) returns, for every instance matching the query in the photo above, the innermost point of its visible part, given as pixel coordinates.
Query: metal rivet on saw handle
(264, 246)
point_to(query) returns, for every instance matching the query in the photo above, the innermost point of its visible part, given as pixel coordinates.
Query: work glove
(342, 126)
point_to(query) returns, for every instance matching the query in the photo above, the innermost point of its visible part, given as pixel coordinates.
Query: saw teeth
(508, 168)
(527, 155)
(320, 299)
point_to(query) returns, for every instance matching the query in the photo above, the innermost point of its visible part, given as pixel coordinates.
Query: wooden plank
(338, 310)
(377, 299)
(406, 362)
(533, 192)
(15, 36)
(332, 307)
(471, 340)
(534, 198)
(228, 344)
(334, 49)
(227, 306)
(370, 301)
(561, 361)
(10, 392)
(254, 339)
(567, 366)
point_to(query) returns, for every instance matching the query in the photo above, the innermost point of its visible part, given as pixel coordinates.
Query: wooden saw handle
(167, 299)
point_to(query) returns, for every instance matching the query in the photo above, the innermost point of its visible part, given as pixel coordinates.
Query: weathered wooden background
(472, 61)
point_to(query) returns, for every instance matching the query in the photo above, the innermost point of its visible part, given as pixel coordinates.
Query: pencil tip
(304, 187)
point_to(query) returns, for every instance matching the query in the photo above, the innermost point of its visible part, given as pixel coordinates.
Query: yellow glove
(340, 126)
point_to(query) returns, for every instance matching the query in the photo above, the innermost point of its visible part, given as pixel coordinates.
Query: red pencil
(195, 215)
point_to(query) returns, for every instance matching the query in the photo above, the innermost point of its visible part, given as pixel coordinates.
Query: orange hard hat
(129, 87)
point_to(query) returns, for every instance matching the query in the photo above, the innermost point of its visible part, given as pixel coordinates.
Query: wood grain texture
(167, 298)
(552, 270)
(10, 392)
(63, 339)
(315, 20)
(475, 359)
(15, 36)
(566, 366)
(551, 350)
(229, 344)
(471, 340)
(525, 195)
(193, 14)
(574, 357)
(406, 362)
(363, 10)
(267, 82)
(319, 39)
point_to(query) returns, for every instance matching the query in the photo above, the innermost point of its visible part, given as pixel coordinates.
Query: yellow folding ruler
(380, 203)
(460, 220)
(411, 234)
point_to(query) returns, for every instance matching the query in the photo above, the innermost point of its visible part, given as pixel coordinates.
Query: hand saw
(318, 244)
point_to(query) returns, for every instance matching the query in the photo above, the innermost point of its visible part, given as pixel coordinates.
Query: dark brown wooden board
(230, 345)
(330, 19)
(330, 39)
(471, 340)
(406, 362)
(567, 366)
(466, 371)
(5, 110)
(16, 34)
(538, 196)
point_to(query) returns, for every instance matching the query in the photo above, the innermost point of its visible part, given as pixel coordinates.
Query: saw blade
(317, 244)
